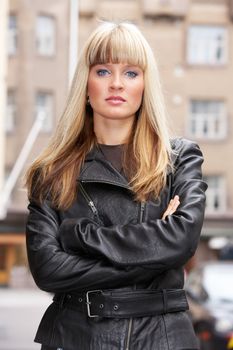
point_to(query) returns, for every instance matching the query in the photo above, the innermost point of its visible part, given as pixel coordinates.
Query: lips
(115, 98)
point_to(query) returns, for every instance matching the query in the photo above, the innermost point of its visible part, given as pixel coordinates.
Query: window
(45, 35)
(12, 35)
(10, 118)
(207, 119)
(215, 194)
(44, 109)
(207, 45)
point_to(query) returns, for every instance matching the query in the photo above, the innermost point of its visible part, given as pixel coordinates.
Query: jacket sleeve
(156, 243)
(57, 271)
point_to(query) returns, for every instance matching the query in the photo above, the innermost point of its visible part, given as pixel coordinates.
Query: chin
(119, 117)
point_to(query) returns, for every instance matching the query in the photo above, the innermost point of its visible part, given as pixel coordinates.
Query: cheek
(93, 88)
(138, 92)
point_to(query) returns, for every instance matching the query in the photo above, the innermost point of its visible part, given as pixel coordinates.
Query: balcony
(165, 8)
(87, 8)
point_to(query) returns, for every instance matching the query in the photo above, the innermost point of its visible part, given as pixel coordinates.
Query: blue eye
(102, 72)
(131, 74)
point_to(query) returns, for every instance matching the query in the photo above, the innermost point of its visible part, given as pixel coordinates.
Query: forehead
(116, 49)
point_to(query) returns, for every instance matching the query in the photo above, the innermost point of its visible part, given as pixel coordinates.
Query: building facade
(193, 43)
(37, 76)
(3, 72)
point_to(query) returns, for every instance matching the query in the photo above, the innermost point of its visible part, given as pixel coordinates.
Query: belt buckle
(89, 303)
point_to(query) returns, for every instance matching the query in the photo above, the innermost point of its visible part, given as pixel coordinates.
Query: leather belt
(122, 304)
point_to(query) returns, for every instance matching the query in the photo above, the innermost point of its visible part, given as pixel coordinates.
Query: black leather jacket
(107, 240)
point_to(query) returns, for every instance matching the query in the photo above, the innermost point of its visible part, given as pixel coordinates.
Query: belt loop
(62, 299)
(164, 301)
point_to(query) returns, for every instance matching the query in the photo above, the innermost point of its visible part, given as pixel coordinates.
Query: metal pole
(19, 164)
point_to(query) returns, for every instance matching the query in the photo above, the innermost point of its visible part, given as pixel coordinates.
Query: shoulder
(179, 143)
(183, 148)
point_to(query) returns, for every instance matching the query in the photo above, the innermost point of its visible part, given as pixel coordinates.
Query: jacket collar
(97, 169)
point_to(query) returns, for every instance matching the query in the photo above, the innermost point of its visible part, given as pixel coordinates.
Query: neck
(112, 132)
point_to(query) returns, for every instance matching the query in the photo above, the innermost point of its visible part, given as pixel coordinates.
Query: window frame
(12, 36)
(210, 119)
(11, 110)
(47, 127)
(40, 48)
(206, 61)
(214, 192)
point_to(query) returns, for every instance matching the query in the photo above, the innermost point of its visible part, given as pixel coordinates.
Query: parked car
(210, 295)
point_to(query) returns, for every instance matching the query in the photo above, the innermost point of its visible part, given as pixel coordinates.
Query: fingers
(172, 206)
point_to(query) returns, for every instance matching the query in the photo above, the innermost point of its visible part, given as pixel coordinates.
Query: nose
(116, 82)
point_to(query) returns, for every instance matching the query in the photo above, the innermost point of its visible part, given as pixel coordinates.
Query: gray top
(113, 154)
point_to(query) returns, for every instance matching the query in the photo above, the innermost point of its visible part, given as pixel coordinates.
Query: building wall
(3, 69)
(29, 72)
(166, 28)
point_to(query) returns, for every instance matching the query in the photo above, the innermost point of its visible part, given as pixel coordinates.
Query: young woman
(116, 207)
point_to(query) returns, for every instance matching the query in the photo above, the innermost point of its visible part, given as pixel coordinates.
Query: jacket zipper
(142, 210)
(129, 333)
(89, 201)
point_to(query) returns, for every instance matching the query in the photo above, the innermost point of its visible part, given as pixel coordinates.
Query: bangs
(117, 45)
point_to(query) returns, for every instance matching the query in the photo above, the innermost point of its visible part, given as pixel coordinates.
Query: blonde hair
(57, 167)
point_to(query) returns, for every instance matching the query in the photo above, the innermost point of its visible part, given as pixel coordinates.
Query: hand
(172, 206)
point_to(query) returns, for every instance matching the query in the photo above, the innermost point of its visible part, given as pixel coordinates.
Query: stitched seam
(165, 328)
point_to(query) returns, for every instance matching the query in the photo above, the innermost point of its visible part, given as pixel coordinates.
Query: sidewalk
(20, 313)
